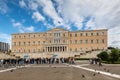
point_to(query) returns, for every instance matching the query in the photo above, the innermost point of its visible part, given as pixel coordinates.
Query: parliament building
(58, 41)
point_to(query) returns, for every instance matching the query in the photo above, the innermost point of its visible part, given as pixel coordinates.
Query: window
(29, 50)
(80, 41)
(86, 41)
(75, 35)
(103, 48)
(28, 43)
(81, 34)
(24, 36)
(34, 50)
(63, 41)
(59, 41)
(43, 50)
(86, 34)
(64, 35)
(91, 34)
(19, 36)
(38, 50)
(57, 34)
(18, 50)
(97, 34)
(14, 43)
(43, 42)
(91, 41)
(70, 41)
(102, 33)
(97, 48)
(86, 49)
(43, 34)
(19, 43)
(14, 50)
(75, 49)
(49, 41)
(70, 35)
(91, 48)
(56, 41)
(39, 35)
(97, 41)
(70, 49)
(29, 35)
(49, 34)
(34, 43)
(34, 36)
(38, 42)
(54, 34)
(81, 49)
(24, 43)
(103, 41)
(75, 41)
(24, 50)
(14, 36)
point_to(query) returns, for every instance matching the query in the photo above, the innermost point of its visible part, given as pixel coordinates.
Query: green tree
(114, 55)
(103, 55)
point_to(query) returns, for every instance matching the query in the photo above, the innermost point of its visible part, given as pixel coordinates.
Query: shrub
(104, 56)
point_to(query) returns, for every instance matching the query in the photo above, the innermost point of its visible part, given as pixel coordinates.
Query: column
(47, 49)
(56, 48)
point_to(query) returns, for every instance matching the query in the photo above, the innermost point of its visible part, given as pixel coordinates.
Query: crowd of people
(96, 61)
(24, 61)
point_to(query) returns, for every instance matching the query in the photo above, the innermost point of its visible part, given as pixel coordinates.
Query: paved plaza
(82, 70)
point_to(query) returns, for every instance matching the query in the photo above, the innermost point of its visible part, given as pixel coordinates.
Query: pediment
(57, 29)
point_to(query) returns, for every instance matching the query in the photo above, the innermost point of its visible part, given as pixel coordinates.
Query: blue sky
(19, 16)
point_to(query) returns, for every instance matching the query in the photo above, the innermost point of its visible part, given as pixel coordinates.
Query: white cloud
(114, 37)
(37, 16)
(70, 10)
(22, 28)
(30, 29)
(49, 26)
(22, 3)
(33, 5)
(17, 24)
(3, 7)
(102, 13)
(50, 11)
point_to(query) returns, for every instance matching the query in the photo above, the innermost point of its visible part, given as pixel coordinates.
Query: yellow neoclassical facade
(60, 41)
